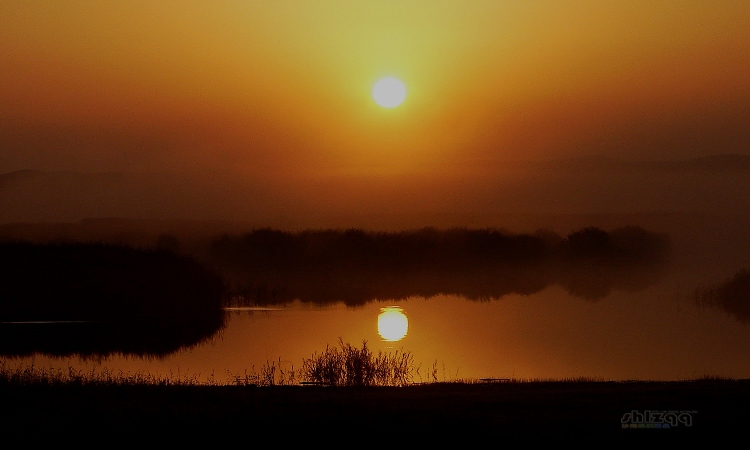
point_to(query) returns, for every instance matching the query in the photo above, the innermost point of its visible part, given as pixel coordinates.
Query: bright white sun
(392, 324)
(389, 92)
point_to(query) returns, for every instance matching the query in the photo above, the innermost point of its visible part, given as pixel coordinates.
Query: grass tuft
(347, 365)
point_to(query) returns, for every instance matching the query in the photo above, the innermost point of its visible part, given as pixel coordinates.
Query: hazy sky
(284, 86)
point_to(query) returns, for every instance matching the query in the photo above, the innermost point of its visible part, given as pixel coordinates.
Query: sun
(389, 92)
(392, 324)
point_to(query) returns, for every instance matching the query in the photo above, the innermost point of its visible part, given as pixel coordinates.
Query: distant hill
(716, 184)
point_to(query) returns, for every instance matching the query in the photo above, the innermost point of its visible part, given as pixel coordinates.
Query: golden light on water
(392, 324)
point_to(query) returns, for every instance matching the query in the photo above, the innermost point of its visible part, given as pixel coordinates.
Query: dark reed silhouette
(353, 266)
(347, 365)
(103, 299)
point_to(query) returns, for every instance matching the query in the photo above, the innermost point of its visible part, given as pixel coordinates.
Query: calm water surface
(655, 333)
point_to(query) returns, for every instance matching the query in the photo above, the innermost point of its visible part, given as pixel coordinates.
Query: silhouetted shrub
(351, 366)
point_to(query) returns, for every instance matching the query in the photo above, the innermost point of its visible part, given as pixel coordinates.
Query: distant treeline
(93, 281)
(354, 266)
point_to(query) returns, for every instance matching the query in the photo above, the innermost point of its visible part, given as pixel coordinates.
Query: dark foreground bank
(655, 412)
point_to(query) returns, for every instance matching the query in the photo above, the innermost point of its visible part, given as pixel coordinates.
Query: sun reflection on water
(392, 324)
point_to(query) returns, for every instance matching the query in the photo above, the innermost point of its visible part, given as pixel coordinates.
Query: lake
(654, 332)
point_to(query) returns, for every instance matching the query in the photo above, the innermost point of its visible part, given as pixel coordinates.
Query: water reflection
(536, 325)
(732, 296)
(93, 300)
(654, 334)
(95, 339)
(270, 267)
(392, 324)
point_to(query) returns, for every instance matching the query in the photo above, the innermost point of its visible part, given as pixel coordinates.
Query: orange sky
(284, 86)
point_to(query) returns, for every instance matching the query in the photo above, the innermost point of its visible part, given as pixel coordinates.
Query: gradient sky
(283, 87)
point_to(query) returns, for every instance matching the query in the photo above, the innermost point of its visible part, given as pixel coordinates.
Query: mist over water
(481, 193)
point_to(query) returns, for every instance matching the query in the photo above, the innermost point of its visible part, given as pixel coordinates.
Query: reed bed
(24, 375)
(344, 365)
(347, 365)
(272, 373)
